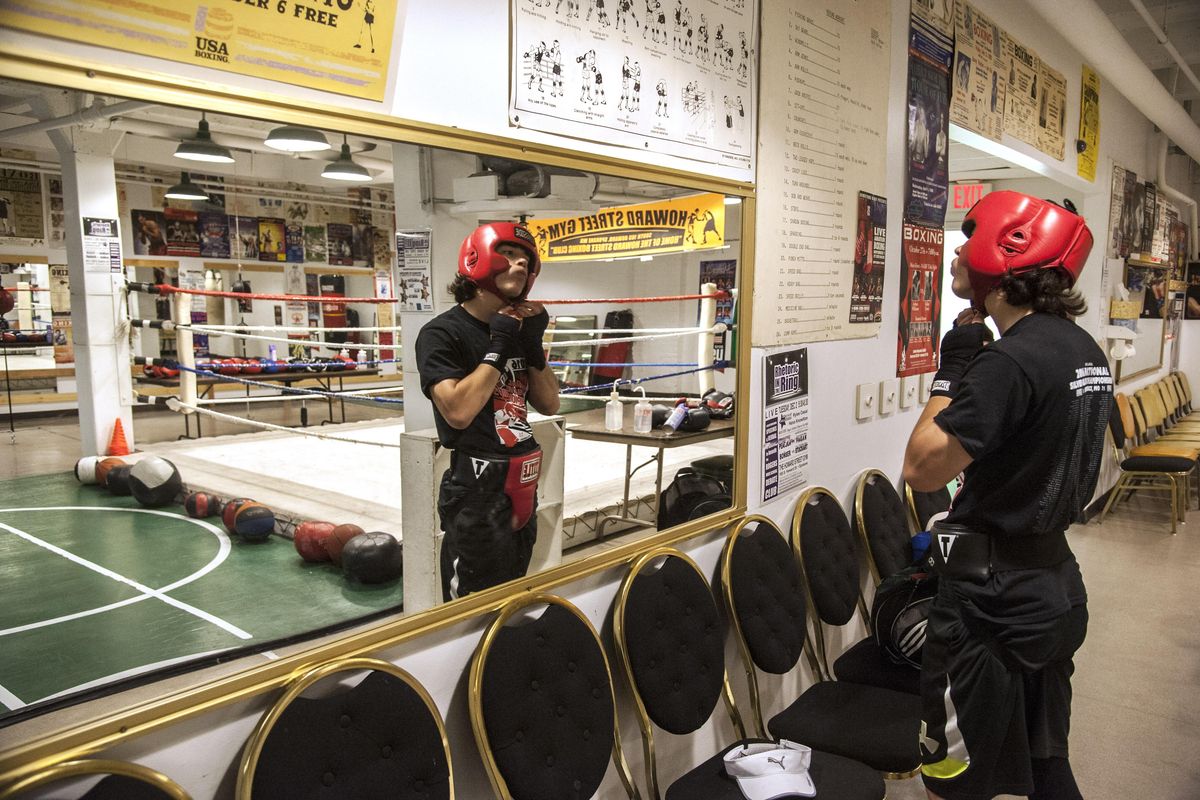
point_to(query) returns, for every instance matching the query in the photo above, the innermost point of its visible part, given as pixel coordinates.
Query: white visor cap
(770, 771)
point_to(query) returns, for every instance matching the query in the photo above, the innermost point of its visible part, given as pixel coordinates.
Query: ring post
(184, 352)
(708, 318)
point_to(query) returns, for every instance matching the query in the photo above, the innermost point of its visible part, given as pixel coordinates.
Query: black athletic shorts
(996, 679)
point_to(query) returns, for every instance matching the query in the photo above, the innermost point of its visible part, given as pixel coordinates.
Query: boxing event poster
(977, 100)
(272, 240)
(785, 422)
(1149, 217)
(929, 54)
(723, 274)
(293, 233)
(1089, 124)
(870, 250)
(243, 239)
(214, 234)
(1021, 98)
(315, 249)
(149, 232)
(340, 242)
(21, 215)
(183, 239)
(920, 299)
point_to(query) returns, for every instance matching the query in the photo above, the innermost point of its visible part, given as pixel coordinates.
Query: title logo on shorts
(945, 543)
(479, 465)
(531, 469)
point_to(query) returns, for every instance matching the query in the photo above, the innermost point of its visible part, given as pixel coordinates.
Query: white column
(102, 354)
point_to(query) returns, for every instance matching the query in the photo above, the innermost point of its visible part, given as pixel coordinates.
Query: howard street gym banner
(341, 46)
(696, 222)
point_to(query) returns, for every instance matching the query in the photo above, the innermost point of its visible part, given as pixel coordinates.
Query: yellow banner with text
(341, 46)
(695, 222)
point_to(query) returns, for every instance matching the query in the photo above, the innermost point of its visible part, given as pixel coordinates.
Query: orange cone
(117, 446)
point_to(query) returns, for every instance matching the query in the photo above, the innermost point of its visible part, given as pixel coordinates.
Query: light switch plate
(889, 391)
(926, 385)
(865, 400)
(909, 385)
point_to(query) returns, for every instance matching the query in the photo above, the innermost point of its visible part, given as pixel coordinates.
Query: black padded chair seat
(121, 787)
(866, 663)
(824, 718)
(836, 778)
(1157, 464)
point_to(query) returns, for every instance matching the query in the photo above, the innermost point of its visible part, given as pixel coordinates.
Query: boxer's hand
(505, 330)
(960, 344)
(533, 327)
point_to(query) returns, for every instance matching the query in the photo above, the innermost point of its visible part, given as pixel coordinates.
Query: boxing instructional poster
(929, 56)
(661, 76)
(920, 299)
(785, 422)
(828, 65)
(977, 100)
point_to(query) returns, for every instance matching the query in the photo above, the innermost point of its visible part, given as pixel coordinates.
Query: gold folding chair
(124, 781)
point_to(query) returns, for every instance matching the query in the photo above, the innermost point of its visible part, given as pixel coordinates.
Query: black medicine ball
(373, 557)
(118, 479)
(155, 481)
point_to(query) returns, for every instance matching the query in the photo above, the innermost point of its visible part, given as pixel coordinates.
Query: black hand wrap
(505, 332)
(532, 329)
(959, 346)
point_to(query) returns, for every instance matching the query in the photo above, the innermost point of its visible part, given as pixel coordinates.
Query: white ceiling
(1179, 20)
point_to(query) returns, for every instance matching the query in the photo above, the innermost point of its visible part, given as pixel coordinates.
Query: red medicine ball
(201, 505)
(230, 509)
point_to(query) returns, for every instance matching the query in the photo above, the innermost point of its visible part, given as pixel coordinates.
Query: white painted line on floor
(171, 601)
(10, 700)
(223, 550)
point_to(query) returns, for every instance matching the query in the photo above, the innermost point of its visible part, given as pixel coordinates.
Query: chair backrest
(1121, 423)
(881, 522)
(670, 642)
(1185, 388)
(1151, 408)
(1167, 397)
(822, 539)
(382, 738)
(763, 592)
(124, 781)
(541, 703)
(923, 505)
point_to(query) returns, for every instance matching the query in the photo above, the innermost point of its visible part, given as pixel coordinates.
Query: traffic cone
(117, 446)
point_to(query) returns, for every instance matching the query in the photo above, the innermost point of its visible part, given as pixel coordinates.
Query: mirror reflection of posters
(870, 251)
(1154, 293)
(149, 232)
(21, 214)
(929, 58)
(785, 422)
(272, 239)
(414, 274)
(920, 299)
(315, 250)
(724, 275)
(1191, 297)
(340, 244)
(183, 237)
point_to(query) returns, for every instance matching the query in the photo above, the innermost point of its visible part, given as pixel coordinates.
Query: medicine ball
(102, 469)
(373, 557)
(85, 469)
(118, 480)
(155, 482)
(310, 538)
(201, 505)
(230, 509)
(254, 521)
(338, 539)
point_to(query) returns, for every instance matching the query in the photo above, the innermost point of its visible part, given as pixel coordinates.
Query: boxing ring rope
(177, 405)
(162, 288)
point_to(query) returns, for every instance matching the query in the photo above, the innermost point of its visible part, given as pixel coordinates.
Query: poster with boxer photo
(920, 299)
(340, 242)
(870, 246)
(294, 236)
(929, 54)
(272, 240)
(149, 232)
(183, 238)
(1149, 218)
(214, 235)
(977, 100)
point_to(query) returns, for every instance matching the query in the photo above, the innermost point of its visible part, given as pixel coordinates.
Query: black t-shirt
(452, 345)
(1031, 411)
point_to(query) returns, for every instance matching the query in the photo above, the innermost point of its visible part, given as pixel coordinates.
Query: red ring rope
(666, 299)
(162, 288)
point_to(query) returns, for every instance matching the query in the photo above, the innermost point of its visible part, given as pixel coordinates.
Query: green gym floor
(98, 588)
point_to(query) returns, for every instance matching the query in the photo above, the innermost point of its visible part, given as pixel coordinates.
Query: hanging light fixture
(186, 190)
(294, 139)
(344, 168)
(203, 148)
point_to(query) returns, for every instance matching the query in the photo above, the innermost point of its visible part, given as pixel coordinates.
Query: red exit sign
(968, 194)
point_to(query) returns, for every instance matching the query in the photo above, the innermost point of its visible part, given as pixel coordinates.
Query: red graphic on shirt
(508, 404)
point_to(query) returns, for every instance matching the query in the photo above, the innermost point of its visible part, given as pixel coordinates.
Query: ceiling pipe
(1179, 198)
(1161, 36)
(1089, 31)
(95, 113)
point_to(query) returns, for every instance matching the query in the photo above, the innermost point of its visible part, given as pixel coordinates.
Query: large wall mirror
(1147, 283)
(302, 405)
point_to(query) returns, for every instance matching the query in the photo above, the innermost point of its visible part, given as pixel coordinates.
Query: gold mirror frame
(51, 743)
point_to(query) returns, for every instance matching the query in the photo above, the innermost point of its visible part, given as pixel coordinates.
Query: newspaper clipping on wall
(1021, 101)
(1052, 112)
(977, 99)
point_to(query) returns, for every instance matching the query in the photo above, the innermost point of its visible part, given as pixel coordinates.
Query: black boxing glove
(959, 346)
(530, 337)
(505, 332)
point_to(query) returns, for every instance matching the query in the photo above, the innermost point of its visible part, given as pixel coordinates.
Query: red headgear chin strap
(479, 261)
(1013, 232)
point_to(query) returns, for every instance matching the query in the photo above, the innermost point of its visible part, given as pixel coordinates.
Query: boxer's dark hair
(463, 288)
(1046, 290)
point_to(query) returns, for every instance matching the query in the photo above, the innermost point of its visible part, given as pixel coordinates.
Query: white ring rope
(565, 331)
(355, 396)
(300, 342)
(236, 328)
(718, 328)
(176, 405)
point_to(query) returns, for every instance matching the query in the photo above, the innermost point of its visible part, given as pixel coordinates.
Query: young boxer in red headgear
(1023, 419)
(482, 364)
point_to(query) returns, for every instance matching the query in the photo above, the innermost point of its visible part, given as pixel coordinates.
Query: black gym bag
(900, 611)
(691, 495)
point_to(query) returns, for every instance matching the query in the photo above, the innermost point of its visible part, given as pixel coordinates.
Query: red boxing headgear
(1013, 232)
(479, 261)
(7, 301)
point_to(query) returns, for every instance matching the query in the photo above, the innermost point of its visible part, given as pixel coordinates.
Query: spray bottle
(676, 419)
(614, 411)
(643, 414)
